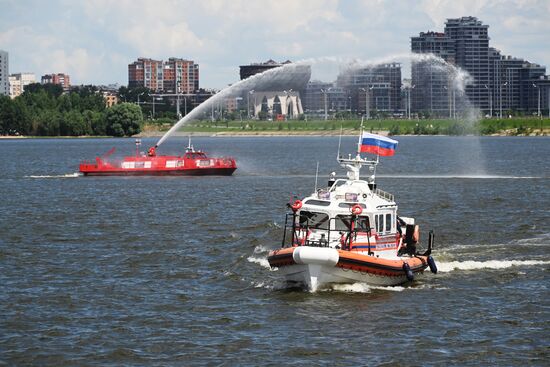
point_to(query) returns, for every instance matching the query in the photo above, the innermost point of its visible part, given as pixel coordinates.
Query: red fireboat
(191, 163)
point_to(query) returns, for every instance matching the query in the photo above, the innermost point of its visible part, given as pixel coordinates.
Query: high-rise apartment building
(146, 73)
(471, 47)
(430, 87)
(19, 81)
(516, 83)
(181, 75)
(164, 76)
(61, 79)
(499, 83)
(4, 73)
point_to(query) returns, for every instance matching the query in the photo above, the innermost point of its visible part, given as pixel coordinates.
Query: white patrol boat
(350, 232)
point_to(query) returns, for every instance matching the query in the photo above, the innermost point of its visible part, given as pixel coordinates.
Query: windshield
(195, 155)
(313, 220)
(343, 223)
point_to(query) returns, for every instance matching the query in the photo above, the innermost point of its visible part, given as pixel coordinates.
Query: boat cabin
(349, 214)
(195, 155)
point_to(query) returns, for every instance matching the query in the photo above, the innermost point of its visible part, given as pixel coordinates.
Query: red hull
(192, 163)
(181, 172)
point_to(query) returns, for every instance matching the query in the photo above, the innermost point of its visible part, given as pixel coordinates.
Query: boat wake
(361, 288)
(476, 177)
(262, 261)
(67, 175)
(445, 267)
(434, 177)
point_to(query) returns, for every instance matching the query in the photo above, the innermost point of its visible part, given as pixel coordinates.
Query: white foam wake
(477, 177)
(446, 267)
(67, 175)
(261, 249)
(262, 261)
(351, 288)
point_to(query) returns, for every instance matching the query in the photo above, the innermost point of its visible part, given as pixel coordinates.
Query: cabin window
(313, 220)
(383, 222)
(343, 223)
(349, 205)
(317, 202)
(204, 163)
(388, 223)
(173, 164)
(379, 222)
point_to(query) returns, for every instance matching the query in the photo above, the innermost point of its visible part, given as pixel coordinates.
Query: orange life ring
(356, 209)
(297, 205)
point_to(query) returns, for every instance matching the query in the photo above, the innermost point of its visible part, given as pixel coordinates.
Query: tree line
(45, 110)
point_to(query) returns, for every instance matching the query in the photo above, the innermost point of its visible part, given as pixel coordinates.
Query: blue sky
(94, 41)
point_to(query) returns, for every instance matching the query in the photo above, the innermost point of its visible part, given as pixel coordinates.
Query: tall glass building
(499, 83)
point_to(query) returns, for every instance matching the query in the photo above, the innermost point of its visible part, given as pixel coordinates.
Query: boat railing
(329, 234)
(384, 195)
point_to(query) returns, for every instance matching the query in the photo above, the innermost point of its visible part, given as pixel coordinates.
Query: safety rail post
(284, 230)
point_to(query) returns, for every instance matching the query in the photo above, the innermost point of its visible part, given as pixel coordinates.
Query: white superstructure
(350, 232)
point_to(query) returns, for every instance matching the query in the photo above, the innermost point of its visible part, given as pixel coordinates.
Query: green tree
(14, 117)
(395, 130)
(53, 90)
(73, 124)
(23, 120)
(87, 97)
(6, 114)
(50, 121)
(64, 103)
(95, 121)
(123, 119)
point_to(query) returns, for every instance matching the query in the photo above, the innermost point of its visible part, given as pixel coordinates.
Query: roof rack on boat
(353, 165)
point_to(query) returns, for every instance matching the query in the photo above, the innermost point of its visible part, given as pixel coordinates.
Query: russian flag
(377, 144)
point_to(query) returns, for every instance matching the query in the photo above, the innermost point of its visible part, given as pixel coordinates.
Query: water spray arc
(459, 79)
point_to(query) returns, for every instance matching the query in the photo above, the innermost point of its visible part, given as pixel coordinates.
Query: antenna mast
(339, 141)
(360, 137)
(316, 175)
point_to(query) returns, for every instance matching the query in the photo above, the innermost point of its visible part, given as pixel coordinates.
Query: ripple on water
(173, 271)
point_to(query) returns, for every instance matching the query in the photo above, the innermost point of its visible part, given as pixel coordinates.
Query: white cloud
(46, 54)
(161, 40)
(282, 16)
(95, 40)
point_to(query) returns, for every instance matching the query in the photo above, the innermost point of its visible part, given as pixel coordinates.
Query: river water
(160, 271)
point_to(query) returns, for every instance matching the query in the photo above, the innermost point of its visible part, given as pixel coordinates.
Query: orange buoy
(356, 209)
(296, 206)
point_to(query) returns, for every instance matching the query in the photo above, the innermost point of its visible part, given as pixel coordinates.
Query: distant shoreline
(259, 133)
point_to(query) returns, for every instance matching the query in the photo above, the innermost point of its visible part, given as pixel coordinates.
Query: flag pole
(339, 142)
(360, 137)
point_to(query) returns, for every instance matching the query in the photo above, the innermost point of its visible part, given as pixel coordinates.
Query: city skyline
(94, 41)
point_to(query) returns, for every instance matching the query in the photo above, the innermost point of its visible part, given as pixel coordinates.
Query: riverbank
(266, 133)
(485, 127)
